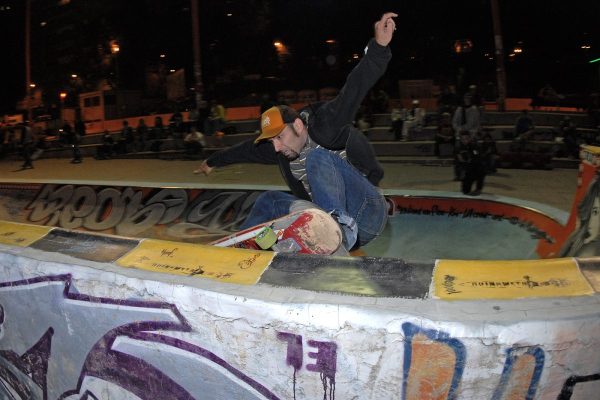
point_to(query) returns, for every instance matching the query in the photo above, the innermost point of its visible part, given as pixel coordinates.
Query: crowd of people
(459, 130)
(187, 135)
(180, 135)
(30, 140)
(458, 125)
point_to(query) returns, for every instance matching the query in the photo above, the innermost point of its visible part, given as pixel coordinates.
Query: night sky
(551, 31)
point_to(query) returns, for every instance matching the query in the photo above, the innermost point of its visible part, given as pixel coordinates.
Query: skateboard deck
(310, 231)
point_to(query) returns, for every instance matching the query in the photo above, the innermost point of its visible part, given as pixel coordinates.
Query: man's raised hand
(384, 28)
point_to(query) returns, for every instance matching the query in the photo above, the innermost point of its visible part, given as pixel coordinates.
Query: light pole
(28, 87)
(500, 70)
(196, 50)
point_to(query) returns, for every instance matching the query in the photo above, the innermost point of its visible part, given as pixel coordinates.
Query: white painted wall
(227, 341)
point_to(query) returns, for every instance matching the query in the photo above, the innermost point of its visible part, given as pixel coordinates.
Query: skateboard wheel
(266, 238)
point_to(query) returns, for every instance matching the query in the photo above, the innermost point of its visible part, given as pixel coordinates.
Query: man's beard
(291, 155)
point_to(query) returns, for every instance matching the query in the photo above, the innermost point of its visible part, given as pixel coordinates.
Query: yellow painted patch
(223, 264)
(458, 280)
(22, 235)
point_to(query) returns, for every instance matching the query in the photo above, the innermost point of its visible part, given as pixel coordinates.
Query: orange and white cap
(274, 120)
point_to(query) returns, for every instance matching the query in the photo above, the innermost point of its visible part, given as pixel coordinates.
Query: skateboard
(310, 231)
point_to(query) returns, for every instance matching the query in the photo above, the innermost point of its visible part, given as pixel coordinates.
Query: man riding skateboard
(322, 156)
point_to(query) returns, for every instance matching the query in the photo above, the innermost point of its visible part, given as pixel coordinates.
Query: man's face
(289, 142)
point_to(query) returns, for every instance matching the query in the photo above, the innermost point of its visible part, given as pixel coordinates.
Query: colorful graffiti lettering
(58, 355)
(133, 346)
(186, 214)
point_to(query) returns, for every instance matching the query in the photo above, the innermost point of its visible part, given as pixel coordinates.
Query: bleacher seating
(419, 149)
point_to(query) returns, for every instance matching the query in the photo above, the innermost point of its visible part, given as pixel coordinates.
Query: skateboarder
(322, 156)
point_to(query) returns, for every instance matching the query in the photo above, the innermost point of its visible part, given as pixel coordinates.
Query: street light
(62, 96)
(115, 49)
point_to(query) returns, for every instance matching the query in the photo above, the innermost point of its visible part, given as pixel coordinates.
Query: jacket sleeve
(362, 155)
(341, 111)
(244, 152)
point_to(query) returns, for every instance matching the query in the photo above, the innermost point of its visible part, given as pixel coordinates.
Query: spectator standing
(473, 93)
(469, 155)
(27, 145)
(568, 130)
(397, 122)
(80, 128)
(413, 120)
(593, 109)
(447, 101)
(73, 139)
(141, 135)
(194, 116)
(489, 153)
(216, 118)
(126, 139)
(467, 118)
(381, 102)
(444, 134)
(176, 125)
(158, 134)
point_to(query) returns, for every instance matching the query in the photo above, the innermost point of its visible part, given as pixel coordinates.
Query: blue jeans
(338, 188)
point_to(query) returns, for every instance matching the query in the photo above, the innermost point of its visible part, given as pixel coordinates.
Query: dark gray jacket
(329, 124)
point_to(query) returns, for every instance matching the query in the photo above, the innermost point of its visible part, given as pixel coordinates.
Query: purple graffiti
(294, 349)
(325, 358)
(106, 359)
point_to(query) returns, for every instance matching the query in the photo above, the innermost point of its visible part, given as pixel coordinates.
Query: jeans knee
(317, 158)
(269, 198)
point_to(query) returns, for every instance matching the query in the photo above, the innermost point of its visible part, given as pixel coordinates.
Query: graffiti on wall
(148, 350)
(129, 349)
(133, 212)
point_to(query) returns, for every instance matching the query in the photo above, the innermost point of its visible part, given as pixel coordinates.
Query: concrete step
(550, 119)
(383, 146)
(420, 152)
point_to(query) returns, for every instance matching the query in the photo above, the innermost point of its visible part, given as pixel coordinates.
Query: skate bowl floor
(429, 226)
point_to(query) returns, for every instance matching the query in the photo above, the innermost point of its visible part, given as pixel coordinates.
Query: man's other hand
(203, 168)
